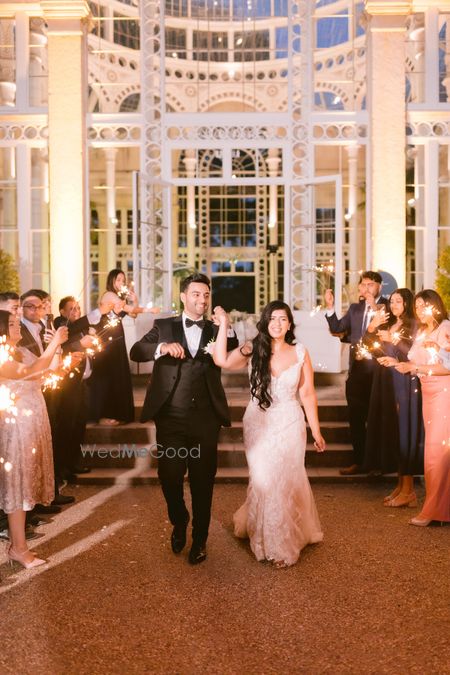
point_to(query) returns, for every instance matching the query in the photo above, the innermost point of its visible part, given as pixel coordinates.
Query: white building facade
(280, 147)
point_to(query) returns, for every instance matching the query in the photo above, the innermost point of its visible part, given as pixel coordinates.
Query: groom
(187, 401)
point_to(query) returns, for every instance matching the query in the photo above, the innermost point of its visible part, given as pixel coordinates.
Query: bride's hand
(319, 443)
(219, 316)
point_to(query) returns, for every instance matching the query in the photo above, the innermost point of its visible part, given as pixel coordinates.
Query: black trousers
(72, 423)
(187, 441)
(358, 390)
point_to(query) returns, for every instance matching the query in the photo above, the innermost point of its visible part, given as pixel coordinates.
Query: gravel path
(374, 597)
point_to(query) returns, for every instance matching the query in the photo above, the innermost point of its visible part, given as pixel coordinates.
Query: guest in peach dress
(424, 358)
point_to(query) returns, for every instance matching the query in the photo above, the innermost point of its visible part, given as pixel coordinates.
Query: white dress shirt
(193, 335)
(35, 330)
(331, 311)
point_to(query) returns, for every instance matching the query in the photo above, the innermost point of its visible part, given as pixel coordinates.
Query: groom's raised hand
(173, 349)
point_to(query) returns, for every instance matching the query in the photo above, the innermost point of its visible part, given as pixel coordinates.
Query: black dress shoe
(62, 500)
(178, 537)
(52, 508)
(197, 554)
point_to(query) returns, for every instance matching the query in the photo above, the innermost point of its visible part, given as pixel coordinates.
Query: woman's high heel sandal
(392, 496)
(420, 522)
(19, 556)
(403, 500)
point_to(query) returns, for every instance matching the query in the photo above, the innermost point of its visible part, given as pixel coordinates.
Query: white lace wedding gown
(279, 515)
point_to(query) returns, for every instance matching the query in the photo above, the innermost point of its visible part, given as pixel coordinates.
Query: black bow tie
(200, 323)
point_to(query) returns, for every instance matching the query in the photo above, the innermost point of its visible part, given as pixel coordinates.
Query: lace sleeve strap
(300, 349)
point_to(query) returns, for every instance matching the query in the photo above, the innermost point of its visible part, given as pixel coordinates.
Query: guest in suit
(10, 302)
(73, 404)
(187, 401)
(74, 393)
(360, 373)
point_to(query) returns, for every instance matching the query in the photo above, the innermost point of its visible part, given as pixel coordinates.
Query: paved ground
(374, 597)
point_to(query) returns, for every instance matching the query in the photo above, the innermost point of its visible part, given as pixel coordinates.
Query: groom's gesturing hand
(172, 349)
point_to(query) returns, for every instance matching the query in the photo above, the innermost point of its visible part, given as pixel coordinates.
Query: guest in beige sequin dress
(26, 460)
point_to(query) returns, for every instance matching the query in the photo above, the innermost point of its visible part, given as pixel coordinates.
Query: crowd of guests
(398, 391)
(58, 374)
(398, 394)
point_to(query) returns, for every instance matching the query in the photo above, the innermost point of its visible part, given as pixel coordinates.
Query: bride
(279, 515)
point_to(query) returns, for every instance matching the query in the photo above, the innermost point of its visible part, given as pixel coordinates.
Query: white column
(111, 218)
(190, 164)
(431, 57)
(23, 172)
(352, 213)
(431, 211)
(273, 162)
(386, 102)
(108, 24)
(67, 164)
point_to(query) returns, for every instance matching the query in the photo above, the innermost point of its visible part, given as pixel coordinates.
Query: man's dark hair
(373, 276)
(35, 293)
(9, 295)
(198, 278)
(63, 302)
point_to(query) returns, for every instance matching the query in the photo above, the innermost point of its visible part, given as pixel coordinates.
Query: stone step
(329, 409)
(231, 455)
(239, 378)
(135, 432)
(111, 476)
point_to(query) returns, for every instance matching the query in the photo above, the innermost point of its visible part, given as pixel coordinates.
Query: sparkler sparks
(316, 310)
(51, 381)
(123, 292)
(362, 352)
(5, 351)
(7, 399)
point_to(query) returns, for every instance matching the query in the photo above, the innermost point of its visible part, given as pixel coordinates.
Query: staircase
(126, 454)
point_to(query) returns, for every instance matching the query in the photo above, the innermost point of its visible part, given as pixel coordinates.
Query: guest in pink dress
(424, 358)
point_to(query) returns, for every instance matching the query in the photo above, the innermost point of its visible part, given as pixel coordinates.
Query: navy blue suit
(358, 386)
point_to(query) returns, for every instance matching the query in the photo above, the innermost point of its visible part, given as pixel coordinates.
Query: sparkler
(7, 398)
(96, 347)
(6, 351)
(8, 404)
(51, 382)
(316, 310)
(362, 352)
(123, 292)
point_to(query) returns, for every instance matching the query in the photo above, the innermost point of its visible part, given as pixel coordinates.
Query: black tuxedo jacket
(351, 322)
(28, 342)
(166, 368)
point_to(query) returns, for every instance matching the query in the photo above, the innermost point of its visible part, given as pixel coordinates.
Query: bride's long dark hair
(262, 352)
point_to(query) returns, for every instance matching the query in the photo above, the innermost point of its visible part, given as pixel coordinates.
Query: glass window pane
(7, 63)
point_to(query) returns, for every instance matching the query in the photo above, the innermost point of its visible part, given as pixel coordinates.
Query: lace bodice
(284, 387)
(279, 514)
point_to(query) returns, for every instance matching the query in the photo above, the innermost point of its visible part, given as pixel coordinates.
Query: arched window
(131, 103)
